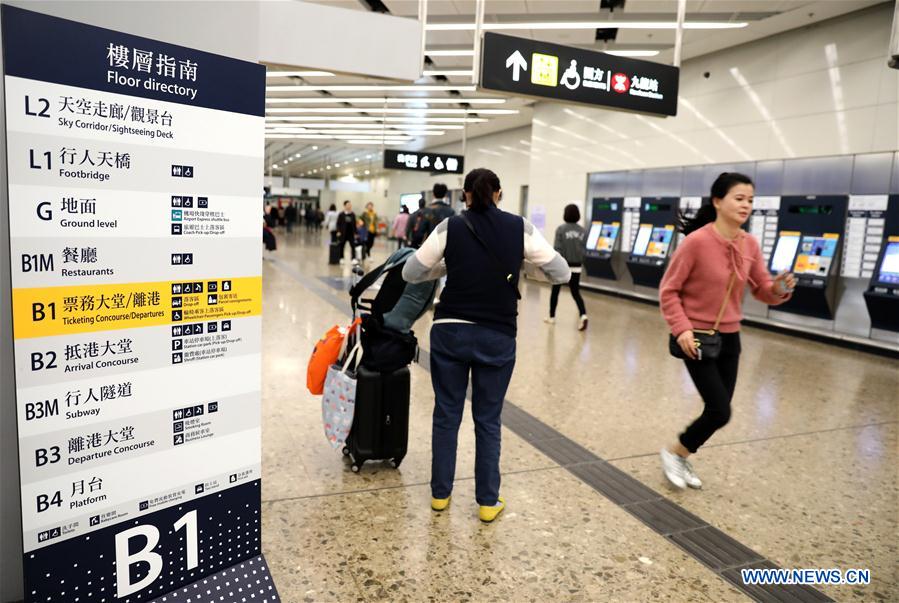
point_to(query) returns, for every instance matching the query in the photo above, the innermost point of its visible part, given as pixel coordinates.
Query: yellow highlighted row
(49, 311)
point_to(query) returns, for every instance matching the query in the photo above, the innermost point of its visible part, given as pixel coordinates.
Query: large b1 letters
(124, 559)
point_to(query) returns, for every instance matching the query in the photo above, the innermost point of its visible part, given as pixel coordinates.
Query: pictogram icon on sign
(569, 75)
(545, 69)
(621, 83)
(518, 63)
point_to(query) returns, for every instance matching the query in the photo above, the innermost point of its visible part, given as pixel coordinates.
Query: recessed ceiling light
(298, 74)
(327, 167)
(357, 159)
(368, 156)
(367, 172)
(314, 148)
(587, 25)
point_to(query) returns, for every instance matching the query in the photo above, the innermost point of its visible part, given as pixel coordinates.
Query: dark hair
(404, 210)
(332, 208)
(482, 184)
(572, 214)
(345, 202)
(421, 202)
(707, 212)
(439, 190)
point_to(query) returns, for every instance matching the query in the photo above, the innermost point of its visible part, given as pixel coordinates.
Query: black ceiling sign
(565, 73)
(435, 163)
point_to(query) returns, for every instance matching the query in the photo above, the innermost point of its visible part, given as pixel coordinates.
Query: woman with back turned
(569, 242)
(703, 289)
(480, 252)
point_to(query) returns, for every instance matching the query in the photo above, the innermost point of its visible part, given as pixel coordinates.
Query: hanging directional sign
(436, 163)
(564, 73)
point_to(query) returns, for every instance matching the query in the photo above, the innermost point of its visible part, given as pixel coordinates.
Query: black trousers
(369, 243)
(715, 380)
(575, 286)
(344, 239)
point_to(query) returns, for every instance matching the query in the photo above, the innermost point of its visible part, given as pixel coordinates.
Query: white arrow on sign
(517, 63)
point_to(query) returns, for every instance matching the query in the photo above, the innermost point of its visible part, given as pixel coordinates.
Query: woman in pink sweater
(691, 295)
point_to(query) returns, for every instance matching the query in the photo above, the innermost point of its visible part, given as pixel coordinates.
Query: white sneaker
(690, 476)
(549, 320)
(673, 467)
(582, 325)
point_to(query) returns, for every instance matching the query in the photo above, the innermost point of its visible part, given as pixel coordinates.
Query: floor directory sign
(135, 172)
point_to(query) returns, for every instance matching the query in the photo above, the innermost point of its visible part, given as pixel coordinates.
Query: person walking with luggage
(398, 228)
(703, 289)
(474, 328)
(346, 230)
(569, 241)
(370, 218)
(362, 236)
(331, 222)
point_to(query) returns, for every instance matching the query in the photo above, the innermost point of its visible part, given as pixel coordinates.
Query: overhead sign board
(437, 163)
(565, 73)
(135, 168)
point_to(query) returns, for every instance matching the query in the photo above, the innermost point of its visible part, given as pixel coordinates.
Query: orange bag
(327, 351)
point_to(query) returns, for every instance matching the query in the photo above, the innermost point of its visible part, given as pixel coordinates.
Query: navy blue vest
(476, 289)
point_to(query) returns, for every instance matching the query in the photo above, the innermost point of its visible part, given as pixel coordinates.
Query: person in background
(704, 284)
(346, 230)
(440, 208)
(319, 217)
(362, 237)
(416, 218)
(569, 241)
(370, 218)
(331, 222)
(474, 328)
(290, 215)
(398, 228)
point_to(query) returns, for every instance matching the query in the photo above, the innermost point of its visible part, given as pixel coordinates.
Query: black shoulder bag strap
(507, 276)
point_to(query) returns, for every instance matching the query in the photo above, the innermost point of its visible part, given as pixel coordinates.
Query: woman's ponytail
(482, 184)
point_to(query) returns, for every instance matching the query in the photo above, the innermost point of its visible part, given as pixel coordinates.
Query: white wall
(820, 90)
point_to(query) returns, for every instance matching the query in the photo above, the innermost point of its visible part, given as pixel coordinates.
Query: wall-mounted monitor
(816, 254)
(660, 241)
(410, 200)
(784, 251)
(888, 271)
(642, 241)
(593, 235)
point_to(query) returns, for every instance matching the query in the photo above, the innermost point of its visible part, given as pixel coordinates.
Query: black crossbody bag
(707, 341)
(507, 276)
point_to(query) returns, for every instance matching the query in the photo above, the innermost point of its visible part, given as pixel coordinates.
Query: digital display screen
(816, 254)
(657, 207)
(642, 241)
(784, 251)
(605, 205)
(889, 266)
(659, 241)
(593, 235)
(410, 200)
(824, 210)
(608, 236)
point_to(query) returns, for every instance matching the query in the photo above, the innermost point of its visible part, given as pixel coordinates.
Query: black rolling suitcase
(381, 420)
(334, 250)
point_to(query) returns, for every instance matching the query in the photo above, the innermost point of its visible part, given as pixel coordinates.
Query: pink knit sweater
(694, 285)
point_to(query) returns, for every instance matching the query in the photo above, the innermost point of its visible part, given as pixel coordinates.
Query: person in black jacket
(346, 230)
(474, 328)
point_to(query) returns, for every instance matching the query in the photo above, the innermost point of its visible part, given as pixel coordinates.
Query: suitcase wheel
(395, 463)
(346, 451)
(355, 468)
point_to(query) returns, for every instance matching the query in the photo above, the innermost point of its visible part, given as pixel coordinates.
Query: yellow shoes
(439, 504)
(488, 514)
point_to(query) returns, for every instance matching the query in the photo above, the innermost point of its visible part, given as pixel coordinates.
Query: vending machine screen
(816, 254)
(889, 266)
(660, 241)
(593, 236)
(642, 241)
(784, 251)
(607, 237)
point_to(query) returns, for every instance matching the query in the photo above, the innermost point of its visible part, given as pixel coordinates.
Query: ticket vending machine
(882, 296)
(654, 240)
(603, 236)
(808, 244)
